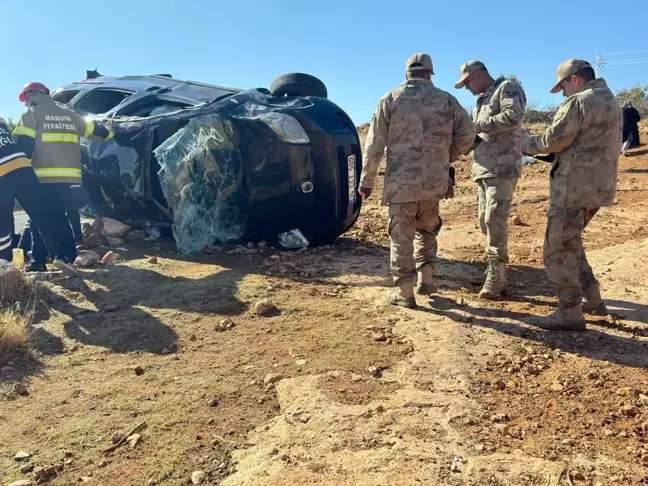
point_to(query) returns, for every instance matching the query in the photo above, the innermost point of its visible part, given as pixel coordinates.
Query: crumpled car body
(183, 149)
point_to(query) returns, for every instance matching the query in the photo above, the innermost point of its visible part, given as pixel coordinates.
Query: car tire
(298, 84)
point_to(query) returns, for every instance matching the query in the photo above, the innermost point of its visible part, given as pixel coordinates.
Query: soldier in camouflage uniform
(424, 130)
(497, 164)
(584, 139)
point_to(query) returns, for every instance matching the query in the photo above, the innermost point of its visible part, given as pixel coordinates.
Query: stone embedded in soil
(498, 384)
(628, 391)
(44, 473)
(629, 411)
(102, 463)
(27, 468)
(20, 389)
(504, 429)
(272, 378)
(301, 362)
(110, 308)
(265, 307)
(117, 436)
(517, 220)
(577, 475)
(22, 482)
(86, 259)
(556, 386)
(134, 440)
(110, 257)
(198, 477)
(379, 336)
(139, 371)
(213, 402)
(374, 371)
(153, 260)
(114, 228)
(165, 351)
(568, 442)
(225, 325)
(500, 418)
(22, 456)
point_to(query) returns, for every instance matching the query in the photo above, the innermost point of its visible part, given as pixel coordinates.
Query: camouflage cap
(466, 70)
(419, 62)
(566, 69)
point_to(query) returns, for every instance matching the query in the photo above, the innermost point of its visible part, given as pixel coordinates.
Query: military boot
(593, 303)
(562, 319)
(495, 283)
(401, 298)
(425, 286)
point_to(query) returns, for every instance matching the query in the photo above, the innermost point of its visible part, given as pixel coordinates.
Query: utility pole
(599, 64)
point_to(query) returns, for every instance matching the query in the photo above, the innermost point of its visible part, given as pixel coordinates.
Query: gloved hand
(365, 192)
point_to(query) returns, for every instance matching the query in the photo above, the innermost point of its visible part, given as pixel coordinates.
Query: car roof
(190, 90)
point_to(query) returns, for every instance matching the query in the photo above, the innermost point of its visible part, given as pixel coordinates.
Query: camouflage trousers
(495, 196)
(564, 256)
(413, 229)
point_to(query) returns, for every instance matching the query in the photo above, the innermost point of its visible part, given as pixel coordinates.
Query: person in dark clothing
(18, 181)
(631, 118)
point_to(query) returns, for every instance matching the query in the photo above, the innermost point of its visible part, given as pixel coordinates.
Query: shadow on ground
(120, 320)
(594, 343)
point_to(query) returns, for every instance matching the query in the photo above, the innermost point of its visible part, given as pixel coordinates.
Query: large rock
(265, 307)
(87, 259)
(22, 456)
(115, 229)
(198, 477)
(116, 241)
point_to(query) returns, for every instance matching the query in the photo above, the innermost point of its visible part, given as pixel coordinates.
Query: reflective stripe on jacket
(56, 131)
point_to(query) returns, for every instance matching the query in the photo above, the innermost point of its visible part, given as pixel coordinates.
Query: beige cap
(568, 68)
(466, 70)
(419, 62)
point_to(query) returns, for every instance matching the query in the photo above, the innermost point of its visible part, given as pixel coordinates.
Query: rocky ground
(169, 370)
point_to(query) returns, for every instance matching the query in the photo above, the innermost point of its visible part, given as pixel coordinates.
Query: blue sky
(358, 49)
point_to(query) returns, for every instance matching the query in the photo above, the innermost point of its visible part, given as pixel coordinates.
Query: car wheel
(298, 84)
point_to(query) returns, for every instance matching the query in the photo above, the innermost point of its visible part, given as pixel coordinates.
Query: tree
(637, 95)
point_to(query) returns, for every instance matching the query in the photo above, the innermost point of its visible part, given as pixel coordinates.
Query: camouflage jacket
(497, 116)
(424, 130)
(585, 137)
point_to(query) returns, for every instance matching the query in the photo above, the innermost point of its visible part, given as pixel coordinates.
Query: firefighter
(49, 134)
(18, 181)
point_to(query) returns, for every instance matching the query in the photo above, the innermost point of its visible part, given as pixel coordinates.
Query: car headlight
(286, 127)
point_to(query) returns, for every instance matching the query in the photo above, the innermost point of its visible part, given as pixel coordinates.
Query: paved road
(19, 221)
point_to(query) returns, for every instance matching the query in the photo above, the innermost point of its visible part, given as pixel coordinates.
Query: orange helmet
(32, 87)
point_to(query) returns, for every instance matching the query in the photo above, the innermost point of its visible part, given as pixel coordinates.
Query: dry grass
(14, 330)
(12, 285)
(16, 312)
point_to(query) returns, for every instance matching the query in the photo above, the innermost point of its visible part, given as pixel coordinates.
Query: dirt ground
(336, 387)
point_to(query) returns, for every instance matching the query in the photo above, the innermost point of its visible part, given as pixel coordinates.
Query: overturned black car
(220, 164)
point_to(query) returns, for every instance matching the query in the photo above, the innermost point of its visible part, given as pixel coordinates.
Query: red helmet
(32, 87)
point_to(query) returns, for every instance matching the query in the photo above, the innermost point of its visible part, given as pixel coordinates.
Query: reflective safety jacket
(49, 133)
(11, 157)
